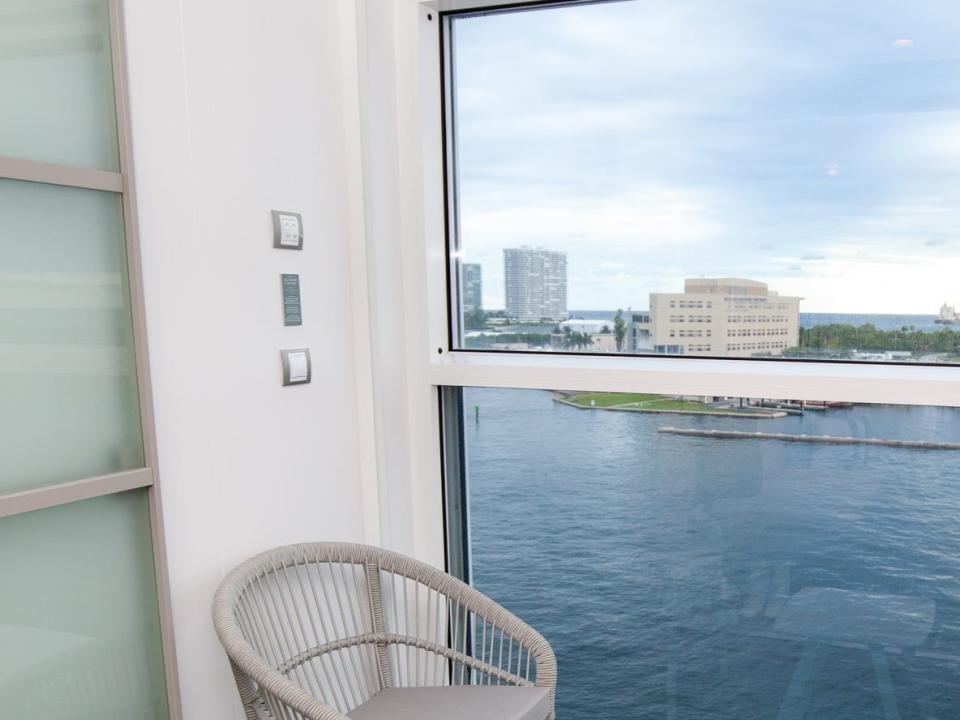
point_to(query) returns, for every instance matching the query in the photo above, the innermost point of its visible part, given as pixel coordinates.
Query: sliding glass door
(82, 610)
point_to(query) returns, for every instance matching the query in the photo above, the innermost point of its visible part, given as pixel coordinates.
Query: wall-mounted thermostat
(287, 230)
(296, 366)
(292, 311)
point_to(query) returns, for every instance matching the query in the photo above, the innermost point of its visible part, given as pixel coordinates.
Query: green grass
(667, 404)
(611, 399)
(644, 401)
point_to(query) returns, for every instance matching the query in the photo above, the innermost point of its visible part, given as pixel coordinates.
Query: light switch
(296, 366)
(287, 230)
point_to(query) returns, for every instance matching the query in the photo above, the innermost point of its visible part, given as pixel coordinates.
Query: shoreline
(717, 413)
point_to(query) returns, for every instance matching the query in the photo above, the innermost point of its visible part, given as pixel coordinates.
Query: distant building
(722, 317)
(591, 327)
(639, 339)
(472, 287)
(535, 284)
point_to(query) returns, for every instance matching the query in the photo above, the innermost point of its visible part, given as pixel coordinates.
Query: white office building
(535, 284)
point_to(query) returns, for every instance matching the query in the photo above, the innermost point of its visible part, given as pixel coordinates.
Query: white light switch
(296, 366)
(287, 230)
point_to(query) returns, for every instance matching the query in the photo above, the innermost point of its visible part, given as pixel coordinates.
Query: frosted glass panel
(67, 370)
(79, 629)
(56, 82)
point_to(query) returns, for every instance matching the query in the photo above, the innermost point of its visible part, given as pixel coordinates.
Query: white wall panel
(238, 108)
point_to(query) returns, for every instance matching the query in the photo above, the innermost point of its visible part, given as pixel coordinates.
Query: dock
(822, 439)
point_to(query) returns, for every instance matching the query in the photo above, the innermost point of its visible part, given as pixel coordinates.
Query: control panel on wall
(288, 235)
(287, 230)
(290, 290)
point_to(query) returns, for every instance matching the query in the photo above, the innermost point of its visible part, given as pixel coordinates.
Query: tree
(619, 329)
(575, 340)
(840, 338)
(605, 330)
(475, 319)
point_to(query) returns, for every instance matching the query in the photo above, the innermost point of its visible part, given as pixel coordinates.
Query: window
(785, 158)
(651, 102)
(684, 566)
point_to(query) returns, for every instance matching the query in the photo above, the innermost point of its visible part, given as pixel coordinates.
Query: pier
(823, 439)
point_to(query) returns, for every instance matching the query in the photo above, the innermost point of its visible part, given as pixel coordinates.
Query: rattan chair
(331, 631)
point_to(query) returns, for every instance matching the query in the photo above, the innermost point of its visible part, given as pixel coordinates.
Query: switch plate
(296, 366)
(287, 230)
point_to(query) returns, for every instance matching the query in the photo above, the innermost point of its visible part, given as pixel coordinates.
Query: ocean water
(696, 579)
(882, 322)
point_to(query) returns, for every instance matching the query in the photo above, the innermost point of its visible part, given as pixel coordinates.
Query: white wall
(237, 108)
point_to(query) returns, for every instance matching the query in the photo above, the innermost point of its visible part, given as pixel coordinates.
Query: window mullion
(847, 382)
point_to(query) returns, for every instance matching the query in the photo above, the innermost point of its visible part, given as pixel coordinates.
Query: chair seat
(461, 702)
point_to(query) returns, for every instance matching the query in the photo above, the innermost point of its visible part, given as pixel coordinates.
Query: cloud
(654, 141)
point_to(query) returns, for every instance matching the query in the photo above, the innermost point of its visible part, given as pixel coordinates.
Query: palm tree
(619, 329)
(576, 340)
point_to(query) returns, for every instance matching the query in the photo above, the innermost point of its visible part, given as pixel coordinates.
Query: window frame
(449, 365)
(440, 369)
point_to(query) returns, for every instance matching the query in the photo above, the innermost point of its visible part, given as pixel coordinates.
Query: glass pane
(79, 628)
(67, 371)
(56, 82)
(738, 179)
(683, 567)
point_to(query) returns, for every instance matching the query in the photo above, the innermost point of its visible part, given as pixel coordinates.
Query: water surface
(693, 579)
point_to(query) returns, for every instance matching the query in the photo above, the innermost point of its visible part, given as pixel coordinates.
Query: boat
(948, 315)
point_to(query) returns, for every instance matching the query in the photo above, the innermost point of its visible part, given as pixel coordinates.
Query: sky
(810, 144)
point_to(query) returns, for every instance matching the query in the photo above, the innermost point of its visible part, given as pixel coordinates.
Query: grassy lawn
(611, 399)
(645, 402)
(669, 404)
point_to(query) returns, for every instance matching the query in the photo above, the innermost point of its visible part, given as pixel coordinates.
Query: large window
(745, 181)
(650, 179)
(712, 179)
(685, 567)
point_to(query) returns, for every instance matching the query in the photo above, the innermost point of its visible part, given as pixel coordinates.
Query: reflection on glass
(67, 369)
(684, 567)
(740, 179)
(79, 636)
(56, 82)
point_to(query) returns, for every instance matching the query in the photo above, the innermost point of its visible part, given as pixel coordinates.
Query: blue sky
(814, 145)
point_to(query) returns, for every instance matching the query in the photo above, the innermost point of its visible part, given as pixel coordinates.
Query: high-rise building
(720, 317)
(472, 287)
(536, 284)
